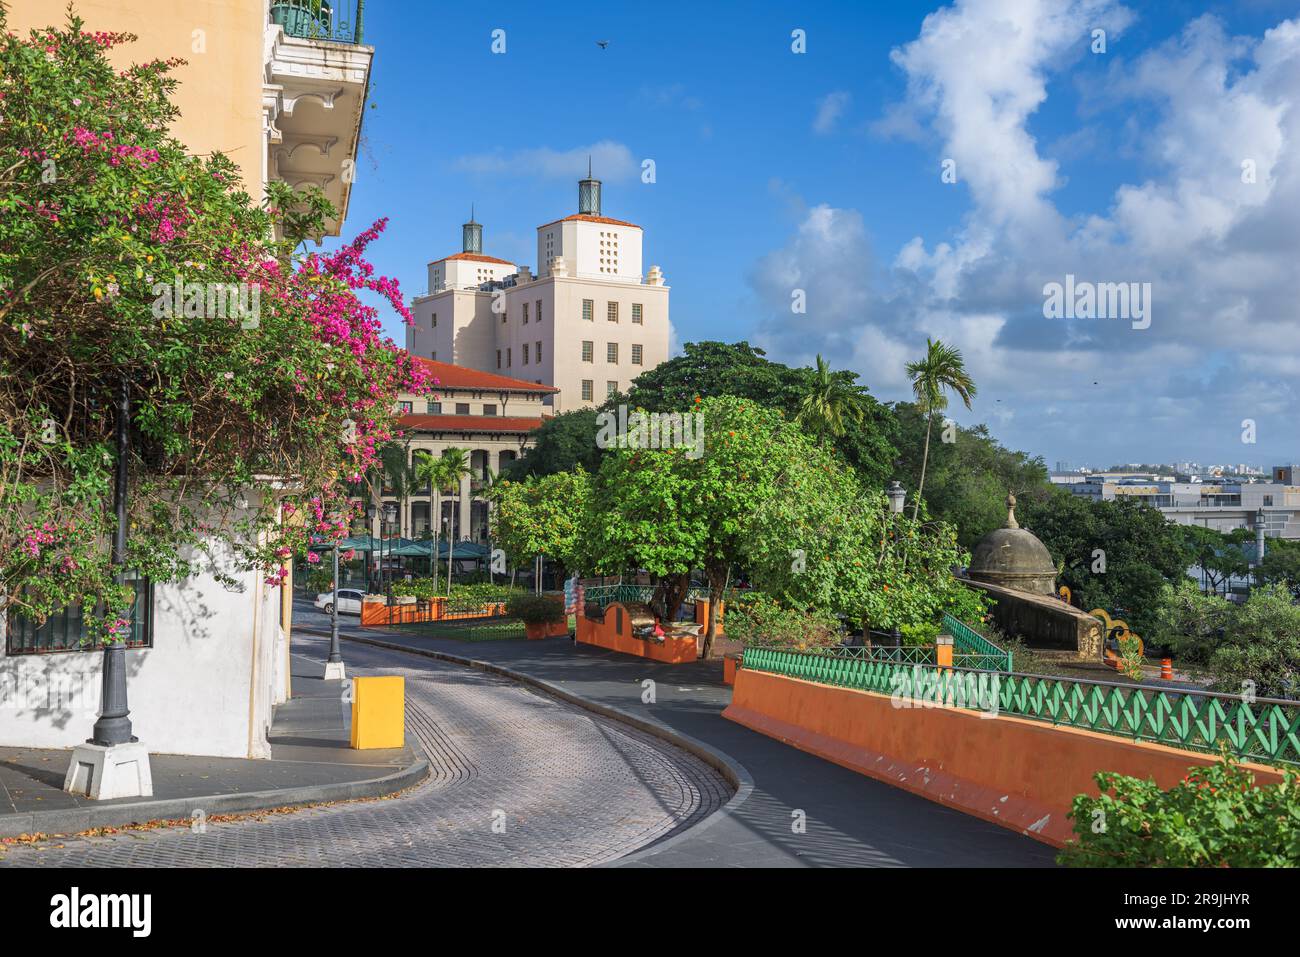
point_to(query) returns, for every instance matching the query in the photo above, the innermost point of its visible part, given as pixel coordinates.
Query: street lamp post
(896, 495)
(113, 763)
(334, 663)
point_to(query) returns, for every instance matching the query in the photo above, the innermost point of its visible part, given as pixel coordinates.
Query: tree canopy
(126, 263)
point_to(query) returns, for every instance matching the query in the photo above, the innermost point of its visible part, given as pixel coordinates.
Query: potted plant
(543, 615)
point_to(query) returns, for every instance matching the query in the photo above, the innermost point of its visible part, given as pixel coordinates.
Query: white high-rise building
(588, 323)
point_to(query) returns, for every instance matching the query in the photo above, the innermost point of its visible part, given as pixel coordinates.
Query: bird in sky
(602, 44)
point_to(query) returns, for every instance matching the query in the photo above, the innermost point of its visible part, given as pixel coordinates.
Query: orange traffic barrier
(1167, 669)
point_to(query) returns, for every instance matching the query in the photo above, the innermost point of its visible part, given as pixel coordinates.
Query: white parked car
(349, 602)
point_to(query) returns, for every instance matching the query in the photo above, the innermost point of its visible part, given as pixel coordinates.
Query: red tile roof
(475, 257)
(590, 219)
(467, 423)
(462, 377)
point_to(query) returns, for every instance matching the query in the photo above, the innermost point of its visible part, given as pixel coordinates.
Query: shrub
(1215, 817)
(534, 609)
(763, 623)
(920, 633)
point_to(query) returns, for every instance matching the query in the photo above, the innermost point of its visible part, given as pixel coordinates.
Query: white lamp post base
(334, 671)
(103, 772)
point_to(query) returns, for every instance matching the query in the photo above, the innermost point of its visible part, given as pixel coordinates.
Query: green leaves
(1215, 817)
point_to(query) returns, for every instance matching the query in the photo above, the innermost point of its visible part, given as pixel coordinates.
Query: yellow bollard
(378, 712)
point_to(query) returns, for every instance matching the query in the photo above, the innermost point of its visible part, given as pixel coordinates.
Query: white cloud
(1221, 254)
(609, 161)
(829, 110)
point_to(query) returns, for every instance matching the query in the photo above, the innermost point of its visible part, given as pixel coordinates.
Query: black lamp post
(114, 724)
(334, 663)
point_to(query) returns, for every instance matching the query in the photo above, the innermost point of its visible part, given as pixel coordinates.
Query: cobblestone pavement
(570, 788)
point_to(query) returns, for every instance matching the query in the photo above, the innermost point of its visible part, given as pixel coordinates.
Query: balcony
(315, 20)
(317, 76)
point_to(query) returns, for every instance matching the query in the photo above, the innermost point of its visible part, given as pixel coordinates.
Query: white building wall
(189, 694)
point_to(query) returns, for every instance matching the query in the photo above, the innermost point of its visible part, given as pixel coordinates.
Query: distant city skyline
(907, 182)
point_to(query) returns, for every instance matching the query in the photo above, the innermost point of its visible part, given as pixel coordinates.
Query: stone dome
(1013, 557)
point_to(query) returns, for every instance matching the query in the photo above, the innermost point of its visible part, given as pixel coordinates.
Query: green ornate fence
(605, 595)
(973, 650)
(1265, 730)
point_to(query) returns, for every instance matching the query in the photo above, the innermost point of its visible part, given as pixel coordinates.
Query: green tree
(1220, 557)
(821, 539)
(941, 371)
(455, 466)
(561, 444)
(543, 515)
(714, 369)
(1281, 566)
(967, 480)
(830, 405)
(1117, 555)
(114, 244)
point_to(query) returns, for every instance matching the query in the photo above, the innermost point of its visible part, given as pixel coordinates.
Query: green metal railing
(606, 595)
(340, 21)
(973, 650)
(1265, 729)
(905, 655)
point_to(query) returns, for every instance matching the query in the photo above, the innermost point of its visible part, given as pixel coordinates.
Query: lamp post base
(334, 671)
(104, 772)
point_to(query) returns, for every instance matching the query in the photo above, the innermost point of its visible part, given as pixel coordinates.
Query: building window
(405, 408)
(636, 313)
(588, 309)
(489, 409)
(433, 408)
(611, 352)
(539, 352)
(508, 362)
(462, 408)
(435, 320)
(434, 356)
(586, 390)
(588, 350)
(636, 355)
(65, 629)
(539, 310)
(498, 358)
(525, 353)
(525, 317)
(611, 311)
(611, 388)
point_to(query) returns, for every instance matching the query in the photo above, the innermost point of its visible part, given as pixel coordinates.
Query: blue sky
(820, 171)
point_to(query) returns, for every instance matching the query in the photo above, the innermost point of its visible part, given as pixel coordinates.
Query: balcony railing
(339, 21)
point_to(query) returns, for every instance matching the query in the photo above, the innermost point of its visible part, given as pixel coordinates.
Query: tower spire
(471, 235)
(589, 193)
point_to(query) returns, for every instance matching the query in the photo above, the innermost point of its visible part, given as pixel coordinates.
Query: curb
(74, 820)
(734, 772)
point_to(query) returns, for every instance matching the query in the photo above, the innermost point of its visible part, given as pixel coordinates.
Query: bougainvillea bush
(115, 248)
(1214, 817)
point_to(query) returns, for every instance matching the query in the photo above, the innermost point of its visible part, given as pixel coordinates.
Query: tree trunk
(925, 457)
(718, 579)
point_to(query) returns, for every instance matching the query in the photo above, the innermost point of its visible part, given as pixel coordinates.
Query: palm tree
(830, 403)
(455, 466)
(431, 472)
(941, 370)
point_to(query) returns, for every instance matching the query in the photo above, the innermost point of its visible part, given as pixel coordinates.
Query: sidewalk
(310, 761)
(852, 820)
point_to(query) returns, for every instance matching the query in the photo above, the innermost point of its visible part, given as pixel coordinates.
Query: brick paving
(570, 789)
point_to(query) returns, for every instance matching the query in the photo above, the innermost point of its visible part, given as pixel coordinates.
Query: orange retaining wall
(377, 613)
(605, 634)
(702, 614)
(1018, 773)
